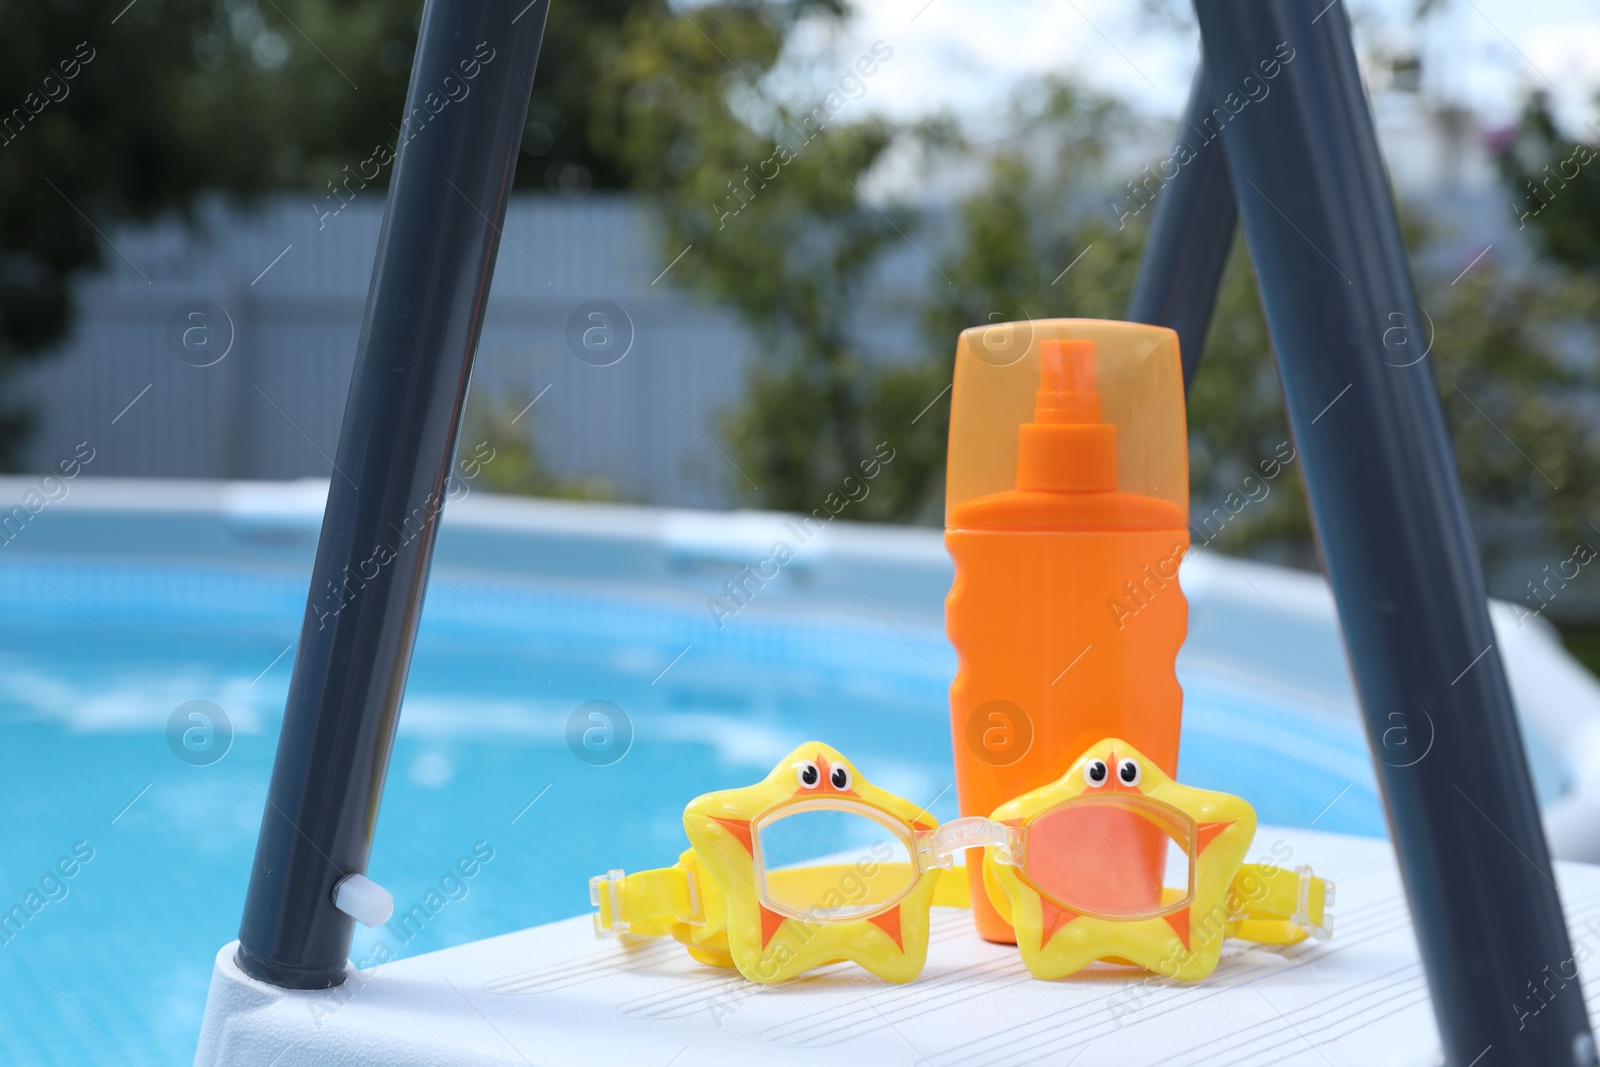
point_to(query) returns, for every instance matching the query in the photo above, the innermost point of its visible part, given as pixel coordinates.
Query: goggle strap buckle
(605, 894)
(655, 900)
(697, 910)
(1305, 909)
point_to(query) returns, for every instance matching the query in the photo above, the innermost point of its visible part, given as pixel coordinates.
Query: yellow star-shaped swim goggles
(814, 864)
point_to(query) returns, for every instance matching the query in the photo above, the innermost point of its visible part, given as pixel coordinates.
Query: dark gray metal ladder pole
(465, 111)
(1390, 518)
(1190, 236)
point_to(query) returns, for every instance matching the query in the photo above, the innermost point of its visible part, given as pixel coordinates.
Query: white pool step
(553, 996)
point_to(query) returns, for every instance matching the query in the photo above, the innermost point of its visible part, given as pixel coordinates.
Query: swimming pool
(119, 612)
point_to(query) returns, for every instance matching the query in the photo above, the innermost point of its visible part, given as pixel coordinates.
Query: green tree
(113, 113)
(1511, 349)
(1553, 186)
(495, 455)
(1508, 347)
(1023, 245)
(124, 112)
(766, 195)
(1031, 220)
(1552, 180)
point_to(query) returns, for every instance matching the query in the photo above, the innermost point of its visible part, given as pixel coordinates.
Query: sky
(964, 55)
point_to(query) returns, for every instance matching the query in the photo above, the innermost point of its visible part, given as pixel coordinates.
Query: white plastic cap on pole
(364, 900)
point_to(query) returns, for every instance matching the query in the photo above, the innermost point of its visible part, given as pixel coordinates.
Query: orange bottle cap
(1067, 423)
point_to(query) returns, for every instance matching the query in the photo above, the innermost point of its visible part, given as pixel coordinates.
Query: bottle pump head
(1067, 448)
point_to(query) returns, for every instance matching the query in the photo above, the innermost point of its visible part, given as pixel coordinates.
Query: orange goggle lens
(1113, 856)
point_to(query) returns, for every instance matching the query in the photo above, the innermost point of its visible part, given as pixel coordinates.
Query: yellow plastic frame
(1265, 904)
(712, 902)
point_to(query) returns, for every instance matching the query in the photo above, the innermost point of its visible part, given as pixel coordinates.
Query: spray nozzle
(1066, 383)
(1067, 446)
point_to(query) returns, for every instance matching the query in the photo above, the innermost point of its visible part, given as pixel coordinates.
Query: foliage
(766, 195)
(1030, 219)
(1016, 237)
(1508, 354)
(1510, 351)
(1515, 363)
(773, 200)
(1537, 333)
(172, 99)
(1554, 183)
(500, 457)
(113, 114)
(559, 148)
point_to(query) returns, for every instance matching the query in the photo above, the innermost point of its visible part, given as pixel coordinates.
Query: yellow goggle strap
(1276, 906)
(1270, 905)
(816, 882)
(646, 904)
(651, 903)
(954, 890)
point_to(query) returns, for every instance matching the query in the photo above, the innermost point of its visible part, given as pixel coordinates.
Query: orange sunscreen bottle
(1066, 514)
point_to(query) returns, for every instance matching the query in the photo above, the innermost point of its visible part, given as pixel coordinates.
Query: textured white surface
(553, 996)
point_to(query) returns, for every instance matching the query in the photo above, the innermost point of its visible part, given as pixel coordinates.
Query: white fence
(284, 294)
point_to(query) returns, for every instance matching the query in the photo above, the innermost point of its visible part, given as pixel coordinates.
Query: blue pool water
(95, 657)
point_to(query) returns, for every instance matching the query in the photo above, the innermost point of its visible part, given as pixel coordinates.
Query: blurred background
(745, 237)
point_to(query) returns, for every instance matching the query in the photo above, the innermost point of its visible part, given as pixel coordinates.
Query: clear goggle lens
(832, 862)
